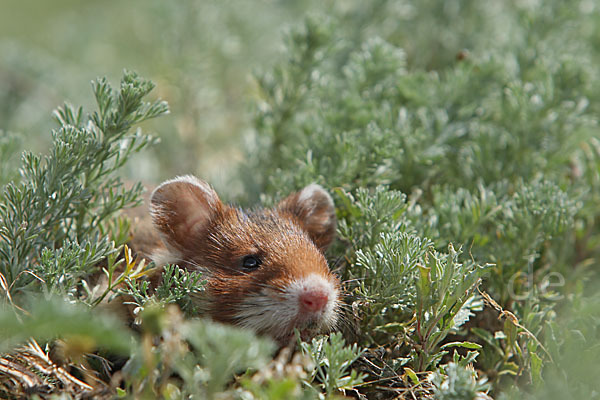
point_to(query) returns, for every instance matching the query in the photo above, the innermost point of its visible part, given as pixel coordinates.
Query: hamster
(265, 269)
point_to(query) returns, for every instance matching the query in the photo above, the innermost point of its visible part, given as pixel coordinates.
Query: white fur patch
(278, 313)
(192, 180)
(163, 257)
(314, 197)
(308, 195)
(262, 312)
(312, 281)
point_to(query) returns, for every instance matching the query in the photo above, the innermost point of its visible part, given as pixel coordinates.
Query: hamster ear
(182, 209)
(314, 209)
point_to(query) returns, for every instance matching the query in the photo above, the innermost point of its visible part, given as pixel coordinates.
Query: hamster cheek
(309, 304)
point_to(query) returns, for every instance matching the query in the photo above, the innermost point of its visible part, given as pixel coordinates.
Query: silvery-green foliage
(177, 285)
(458, 383)
(68, 195)
(333, 361)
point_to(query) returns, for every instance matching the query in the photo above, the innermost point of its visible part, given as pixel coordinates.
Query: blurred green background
(201, 55)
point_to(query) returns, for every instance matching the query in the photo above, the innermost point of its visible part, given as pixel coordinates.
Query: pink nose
(313, 300)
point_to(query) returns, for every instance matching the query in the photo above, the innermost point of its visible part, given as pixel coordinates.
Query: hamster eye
(251, 262)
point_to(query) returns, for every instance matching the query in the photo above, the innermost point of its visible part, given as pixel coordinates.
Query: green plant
(457, 383)
(332, 360)
(176, 286)
(67, 197)
(195, 358)
(406, 290)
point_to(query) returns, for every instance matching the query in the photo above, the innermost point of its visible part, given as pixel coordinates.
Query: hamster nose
(313, 300)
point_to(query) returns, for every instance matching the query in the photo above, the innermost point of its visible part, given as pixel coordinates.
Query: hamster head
(265, 269)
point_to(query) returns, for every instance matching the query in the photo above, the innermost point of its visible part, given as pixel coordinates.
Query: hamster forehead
(276, 239)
